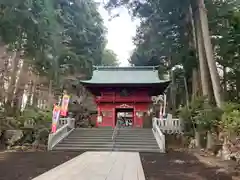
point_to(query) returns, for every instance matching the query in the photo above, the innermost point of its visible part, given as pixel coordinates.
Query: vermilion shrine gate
(124, 93)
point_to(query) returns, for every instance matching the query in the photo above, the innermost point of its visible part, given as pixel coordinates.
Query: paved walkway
(98, 166)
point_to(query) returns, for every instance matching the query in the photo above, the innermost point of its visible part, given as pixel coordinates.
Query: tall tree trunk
(238, 84)
(225, 83)
(30, 86)
(203, 67)
(195, 85)
(209, 74)
(191, 15)
(36, 91)
(30, 93)
(186, 90)
(14, 58)
(193, 44)
(202, 59)
(3, 70)
(50, 95)
(209, 52)
(14, 77)
(173, 93)
(21, 81)
(209, 140)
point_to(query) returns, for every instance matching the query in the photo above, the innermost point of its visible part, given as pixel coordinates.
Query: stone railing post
(71, 123)
(67, 127)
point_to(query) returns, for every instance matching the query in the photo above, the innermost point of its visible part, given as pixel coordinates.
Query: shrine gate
(124, 93)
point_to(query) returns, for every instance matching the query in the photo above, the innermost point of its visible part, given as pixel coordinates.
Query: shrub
(39, 128)
(230, 121)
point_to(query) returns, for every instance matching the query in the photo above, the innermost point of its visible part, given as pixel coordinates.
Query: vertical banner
(55, 117)
(64, 106)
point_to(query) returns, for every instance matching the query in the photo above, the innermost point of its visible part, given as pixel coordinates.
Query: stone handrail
(159, 136)
(64, 121)
(62, 132)
(170, 125)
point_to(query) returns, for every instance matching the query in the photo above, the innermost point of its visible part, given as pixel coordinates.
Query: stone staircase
(136, 139)
(100, 139)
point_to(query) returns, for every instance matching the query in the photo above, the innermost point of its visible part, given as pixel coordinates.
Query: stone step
(106, 149)
(90, 134)
(108, 145)
(109, 130)
(110, 135)
(121, 134)
(89, 137)
(93, 129)
(96, 131)
(106, 142)
(134, 137)
(135, 131)
(137, 140)
(102, 132)
(109, 139)
(73, 148)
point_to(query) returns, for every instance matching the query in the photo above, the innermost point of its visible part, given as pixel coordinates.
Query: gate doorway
(125, 116)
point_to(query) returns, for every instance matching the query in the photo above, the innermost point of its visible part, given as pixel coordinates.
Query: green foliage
(7, 122)
(191, 111)
(36, 115)
(185, 113)
(208, 116)
(230, 121)
(36, 125)
(201, 114)
(165, 37)
(109, 58)
(230, 106)
(58, 37)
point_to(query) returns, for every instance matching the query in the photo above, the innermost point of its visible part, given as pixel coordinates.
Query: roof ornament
(157, 99)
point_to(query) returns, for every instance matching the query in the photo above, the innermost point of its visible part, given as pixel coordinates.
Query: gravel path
(156, 166)
(178, 166)
(27, 165)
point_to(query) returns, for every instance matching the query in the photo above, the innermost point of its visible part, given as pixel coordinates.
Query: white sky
(120, 33)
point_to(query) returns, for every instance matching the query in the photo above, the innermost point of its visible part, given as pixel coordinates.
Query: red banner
(55, 117)
(64, 106)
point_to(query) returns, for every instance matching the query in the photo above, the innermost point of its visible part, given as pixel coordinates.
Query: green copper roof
(124, 75)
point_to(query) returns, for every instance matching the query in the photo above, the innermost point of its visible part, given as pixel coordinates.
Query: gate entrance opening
(125, 117)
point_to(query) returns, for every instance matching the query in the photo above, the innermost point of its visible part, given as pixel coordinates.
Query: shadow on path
(178, 166)
(27, 165)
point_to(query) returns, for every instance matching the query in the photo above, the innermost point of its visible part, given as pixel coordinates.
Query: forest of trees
(196, 43)
(43, 43)
(45, 47)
